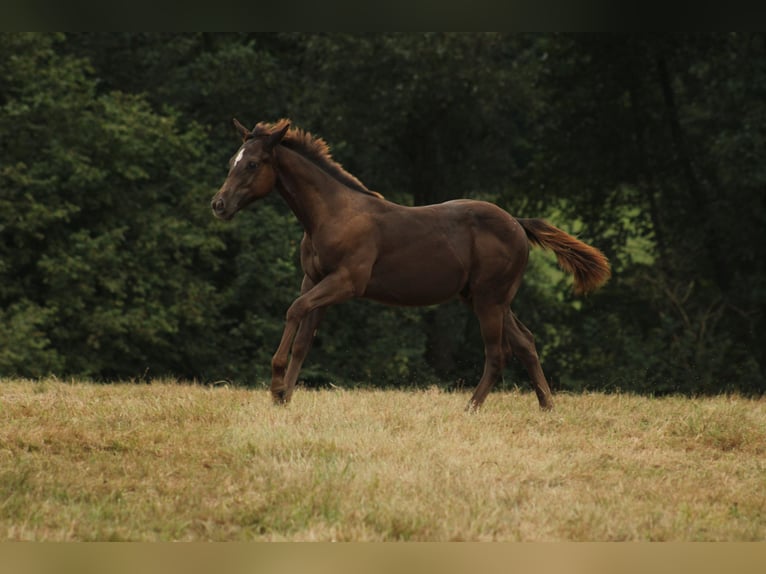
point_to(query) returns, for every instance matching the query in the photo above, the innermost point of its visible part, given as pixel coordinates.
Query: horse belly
(408, 278)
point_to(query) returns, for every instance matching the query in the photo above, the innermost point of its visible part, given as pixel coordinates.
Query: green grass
(184, 462)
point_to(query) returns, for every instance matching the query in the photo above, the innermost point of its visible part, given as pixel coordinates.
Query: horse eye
(252, 164)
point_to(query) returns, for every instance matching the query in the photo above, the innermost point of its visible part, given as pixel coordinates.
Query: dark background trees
(648, 146)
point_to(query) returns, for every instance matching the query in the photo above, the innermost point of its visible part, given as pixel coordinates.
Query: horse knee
(295, 312)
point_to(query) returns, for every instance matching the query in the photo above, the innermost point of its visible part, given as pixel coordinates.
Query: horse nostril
(218, 205)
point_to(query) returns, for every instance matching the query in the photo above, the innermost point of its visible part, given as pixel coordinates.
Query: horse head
(252, 170)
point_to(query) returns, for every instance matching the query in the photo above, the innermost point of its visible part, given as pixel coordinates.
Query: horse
(356, 244)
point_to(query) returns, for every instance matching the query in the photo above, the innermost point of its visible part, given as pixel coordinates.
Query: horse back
(427, 255)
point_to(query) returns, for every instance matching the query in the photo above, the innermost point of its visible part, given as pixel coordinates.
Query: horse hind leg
(519, 342)
(491, 323)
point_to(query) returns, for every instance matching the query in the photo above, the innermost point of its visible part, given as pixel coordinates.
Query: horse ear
(243, 131)
(277, 136)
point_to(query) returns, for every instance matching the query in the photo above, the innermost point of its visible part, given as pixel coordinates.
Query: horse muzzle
(218, 206)
(221, 208)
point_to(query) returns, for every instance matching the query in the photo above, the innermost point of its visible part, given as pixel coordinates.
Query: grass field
(183, 462)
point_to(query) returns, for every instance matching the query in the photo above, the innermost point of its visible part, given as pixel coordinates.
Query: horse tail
(589, 266)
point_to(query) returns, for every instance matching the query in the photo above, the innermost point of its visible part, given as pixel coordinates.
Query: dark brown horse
(357, 244)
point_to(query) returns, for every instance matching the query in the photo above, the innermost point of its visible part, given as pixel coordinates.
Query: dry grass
(183, 462)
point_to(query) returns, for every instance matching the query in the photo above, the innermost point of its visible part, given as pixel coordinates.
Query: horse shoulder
(350, 244)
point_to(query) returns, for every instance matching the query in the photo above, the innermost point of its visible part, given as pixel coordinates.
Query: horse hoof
(279, 397)
(472, 407)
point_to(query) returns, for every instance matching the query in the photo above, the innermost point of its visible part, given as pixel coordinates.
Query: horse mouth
(223, 216)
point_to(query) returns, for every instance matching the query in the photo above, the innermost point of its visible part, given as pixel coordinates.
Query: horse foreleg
(332, 289)
(301, 347)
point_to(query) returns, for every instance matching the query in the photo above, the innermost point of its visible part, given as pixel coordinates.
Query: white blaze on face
(239, 156)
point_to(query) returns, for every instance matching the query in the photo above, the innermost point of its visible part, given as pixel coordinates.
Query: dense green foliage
(649, 147)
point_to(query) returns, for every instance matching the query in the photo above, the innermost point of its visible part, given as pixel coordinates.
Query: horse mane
(313, 148)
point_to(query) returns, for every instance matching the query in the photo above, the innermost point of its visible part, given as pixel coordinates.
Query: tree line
(647, 146)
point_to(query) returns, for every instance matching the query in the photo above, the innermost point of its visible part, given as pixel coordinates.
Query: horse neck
(312, 194)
